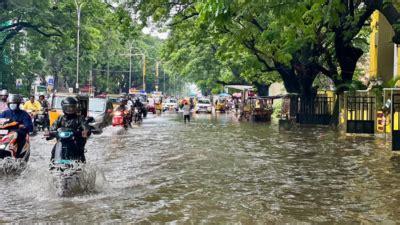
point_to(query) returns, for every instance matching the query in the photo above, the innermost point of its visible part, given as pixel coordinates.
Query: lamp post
(78, 11)
(130, 65)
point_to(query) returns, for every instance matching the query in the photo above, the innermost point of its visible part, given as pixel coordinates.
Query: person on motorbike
(124, 107)
(45, 107)
(139, 105)
(32, 107)
(71, 120)
(32, 104)
(14, 113)
(3, 101)
(43, 102)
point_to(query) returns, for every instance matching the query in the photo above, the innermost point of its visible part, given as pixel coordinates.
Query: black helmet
(14, 98)
(70, 105)
(124, 101)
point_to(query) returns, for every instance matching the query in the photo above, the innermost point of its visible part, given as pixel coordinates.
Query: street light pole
(164, 81)
(157, 82)
(130, 67)
(144, 72)
(78, 11)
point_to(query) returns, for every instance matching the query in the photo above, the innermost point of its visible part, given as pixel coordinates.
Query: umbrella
(224, 95)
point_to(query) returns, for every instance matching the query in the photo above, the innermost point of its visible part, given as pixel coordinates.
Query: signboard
(70, 90)
(18, 82)
(50, 81)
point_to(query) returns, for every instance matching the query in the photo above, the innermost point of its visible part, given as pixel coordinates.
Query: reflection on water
(216, 170)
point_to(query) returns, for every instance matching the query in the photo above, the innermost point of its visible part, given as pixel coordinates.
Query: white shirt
(186, 110)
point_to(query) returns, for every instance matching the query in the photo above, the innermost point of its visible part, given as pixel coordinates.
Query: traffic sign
(18, 82)
(50, 82)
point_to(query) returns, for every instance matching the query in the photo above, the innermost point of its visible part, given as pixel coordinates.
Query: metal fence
(360, 114)
(314, 110)
(396, 122)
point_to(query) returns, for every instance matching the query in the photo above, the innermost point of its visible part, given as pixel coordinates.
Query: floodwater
(215, 170)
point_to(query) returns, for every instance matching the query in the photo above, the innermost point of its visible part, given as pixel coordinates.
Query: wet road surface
(215, 170)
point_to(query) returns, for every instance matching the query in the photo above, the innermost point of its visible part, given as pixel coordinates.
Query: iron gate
(314, 110)
(360, 114)
(396, 122)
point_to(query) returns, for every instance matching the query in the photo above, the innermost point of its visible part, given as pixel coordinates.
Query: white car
(203, 105)
(170, 104)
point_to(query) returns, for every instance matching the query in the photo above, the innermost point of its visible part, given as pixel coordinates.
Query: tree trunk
(262, 89)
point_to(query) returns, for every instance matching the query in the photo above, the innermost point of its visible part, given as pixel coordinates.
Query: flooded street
(215, 170)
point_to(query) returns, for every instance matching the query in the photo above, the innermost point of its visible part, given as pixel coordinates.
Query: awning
(240, 87)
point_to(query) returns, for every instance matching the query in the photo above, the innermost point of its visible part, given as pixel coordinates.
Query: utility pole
(91, 82)
(157, 82)
(108, 75)
(108, 62)
(78, 11)
(144, 72)
(130, 67)
(164, 81)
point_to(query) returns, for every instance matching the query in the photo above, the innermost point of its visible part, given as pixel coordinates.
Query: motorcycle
(42, 120)
(12, 159)
(137, 115)
(121, 118)
(67, 165)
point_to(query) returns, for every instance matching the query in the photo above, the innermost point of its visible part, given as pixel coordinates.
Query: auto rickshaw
(115, 99)
(221, 105)
(56, 109)
(257, 109)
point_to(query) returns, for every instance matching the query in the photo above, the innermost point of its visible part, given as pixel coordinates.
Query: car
(150, 106)
(203, 105)
(101, 110)
(170, 104)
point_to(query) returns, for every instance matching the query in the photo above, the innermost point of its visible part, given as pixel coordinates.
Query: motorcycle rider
(34, 106)
(139, 106)
(14, 113)
(124, 107)
(3, 102)
(43, 102)
(45, 107)
(72, 120)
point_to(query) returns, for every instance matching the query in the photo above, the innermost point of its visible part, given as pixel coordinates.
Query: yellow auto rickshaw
(56, 109)
(115, 99)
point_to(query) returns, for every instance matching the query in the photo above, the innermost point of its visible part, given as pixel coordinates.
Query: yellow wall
(373, 46)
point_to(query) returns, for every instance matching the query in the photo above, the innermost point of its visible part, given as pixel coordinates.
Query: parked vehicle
(101, 110)
(203, 105)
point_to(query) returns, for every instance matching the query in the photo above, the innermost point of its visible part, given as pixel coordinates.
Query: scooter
(121, 118)
(12, 160)
(67, 165)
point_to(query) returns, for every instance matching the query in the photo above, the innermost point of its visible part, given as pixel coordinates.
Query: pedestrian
(186, 112)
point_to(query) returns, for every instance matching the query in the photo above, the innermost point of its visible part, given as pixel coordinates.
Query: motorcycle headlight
(3, 146)
(65, 134)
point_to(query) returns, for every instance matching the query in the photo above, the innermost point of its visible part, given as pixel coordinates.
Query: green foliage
(45, 44)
